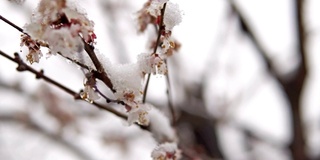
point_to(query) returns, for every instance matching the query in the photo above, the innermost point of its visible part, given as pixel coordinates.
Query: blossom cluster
(151, 13)
(60, 27)
(128, 78)
(64, 30)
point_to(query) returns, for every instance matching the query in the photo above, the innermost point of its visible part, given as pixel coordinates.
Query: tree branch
(292, 88)
(99, 74)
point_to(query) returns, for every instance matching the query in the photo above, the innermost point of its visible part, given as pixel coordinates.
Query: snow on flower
(166, 151)
(62, 41)
(172, 16)
(61, 27)
(155, 7)
(127, 82)
(151, 14)
(160, 126)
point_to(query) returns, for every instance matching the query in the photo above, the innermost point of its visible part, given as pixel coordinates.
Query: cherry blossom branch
(40, 75)
(161, 28)
(100, 74)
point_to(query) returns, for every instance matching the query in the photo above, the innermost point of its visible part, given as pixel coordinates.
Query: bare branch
(12, 24)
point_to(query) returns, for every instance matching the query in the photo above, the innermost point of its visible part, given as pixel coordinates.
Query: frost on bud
(151, 64)
(139, 114)
(166, 151)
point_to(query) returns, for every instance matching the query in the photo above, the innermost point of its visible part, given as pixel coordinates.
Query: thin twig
(12, 24)
(109, 100)
(170, 96)
(161, 28)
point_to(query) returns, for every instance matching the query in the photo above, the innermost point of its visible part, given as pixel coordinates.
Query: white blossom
(151, 63)
(172, 16)
(166, 151)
